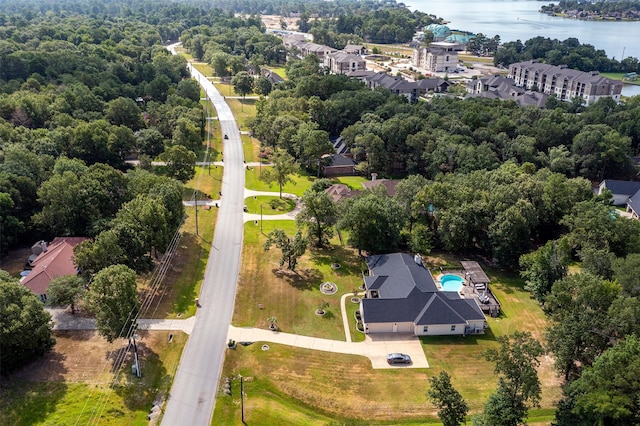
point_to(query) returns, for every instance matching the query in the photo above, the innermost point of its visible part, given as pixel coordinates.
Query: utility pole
(242, 397)
(196, 197)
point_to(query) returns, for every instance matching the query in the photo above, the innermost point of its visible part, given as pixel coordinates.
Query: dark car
(225, 136)
(398, 359)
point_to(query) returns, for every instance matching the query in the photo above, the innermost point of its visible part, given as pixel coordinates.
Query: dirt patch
(273, 22)
(83, 356)
(14, 262)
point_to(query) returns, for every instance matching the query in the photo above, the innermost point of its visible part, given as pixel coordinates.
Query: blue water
(520, 20)
(451, 283)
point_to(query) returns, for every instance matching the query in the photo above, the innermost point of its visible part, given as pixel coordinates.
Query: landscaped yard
(286, 383)
(269, 205)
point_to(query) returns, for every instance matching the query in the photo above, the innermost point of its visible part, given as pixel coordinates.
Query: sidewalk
(63, 320)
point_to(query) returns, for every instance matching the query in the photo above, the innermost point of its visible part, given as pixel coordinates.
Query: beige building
(342, 62)
(564, 82)
(439, 58)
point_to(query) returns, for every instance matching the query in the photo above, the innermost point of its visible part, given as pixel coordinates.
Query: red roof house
(55, 261)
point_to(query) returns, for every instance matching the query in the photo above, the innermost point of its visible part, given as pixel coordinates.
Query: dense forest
(77, 95)
(570, 52)
(622, 8)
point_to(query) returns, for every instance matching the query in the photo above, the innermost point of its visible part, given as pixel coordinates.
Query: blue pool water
(451, 283)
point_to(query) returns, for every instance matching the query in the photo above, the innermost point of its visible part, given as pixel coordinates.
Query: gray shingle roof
(622, 187)
(634, 202)
(408, 293)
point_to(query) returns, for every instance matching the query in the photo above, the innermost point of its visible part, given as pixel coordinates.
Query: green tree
(374, 222)
(10, 226)
(545, 266)
(113, 298)
(25, 327)
(453, 408)
(319, 214)
(147, 218)
(578, 306)
(220, 62)
(92, 256)
(626, 271)
(284, 165)
(607, 392)
(291, 250)
(518, 383)
(124, 112)
(180, 162)
(66, 290)
(263, 86)
(406, 191)
(243, 83)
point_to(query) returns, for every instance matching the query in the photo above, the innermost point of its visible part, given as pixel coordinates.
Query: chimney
(374, 176)
(43, 244)
(418, 259)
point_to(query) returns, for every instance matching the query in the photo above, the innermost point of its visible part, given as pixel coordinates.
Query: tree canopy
(25, 327)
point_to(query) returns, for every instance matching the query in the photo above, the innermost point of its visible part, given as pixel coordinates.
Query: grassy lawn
(292, 297)
(270, 205)
(300, 183)
(475, 59)
(618, 76)
(353, 182)
(208, 181)
(280, 71)
(391, 49)
(203, 67)
(250, 148)
(90, 396)
(295, 384)
(225, 89)
(242, 110)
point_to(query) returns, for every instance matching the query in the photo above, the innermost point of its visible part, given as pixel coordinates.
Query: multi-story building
(436, 58)
(564, 82)
(342, 62)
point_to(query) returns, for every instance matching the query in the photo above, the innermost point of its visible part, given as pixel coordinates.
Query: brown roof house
(56, 260)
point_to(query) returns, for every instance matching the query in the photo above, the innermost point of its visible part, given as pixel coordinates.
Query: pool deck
(469, 291)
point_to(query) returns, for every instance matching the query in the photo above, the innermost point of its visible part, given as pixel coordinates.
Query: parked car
(396, 358)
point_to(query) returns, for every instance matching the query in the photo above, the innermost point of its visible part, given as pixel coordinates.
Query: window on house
(425, 329)
(453, 328)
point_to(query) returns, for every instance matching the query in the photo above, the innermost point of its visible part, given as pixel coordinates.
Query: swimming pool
(451, 282)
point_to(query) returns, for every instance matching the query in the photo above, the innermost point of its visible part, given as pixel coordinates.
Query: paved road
(192, 397)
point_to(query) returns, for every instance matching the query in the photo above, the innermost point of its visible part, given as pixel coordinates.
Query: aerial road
(192, 397)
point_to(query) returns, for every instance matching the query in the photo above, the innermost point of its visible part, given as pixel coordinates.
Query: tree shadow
(304, 279)
(139, 393)
(30, 403)
(349, 262)
(29, 395)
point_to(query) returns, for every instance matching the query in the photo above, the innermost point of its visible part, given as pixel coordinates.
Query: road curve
(192, 397)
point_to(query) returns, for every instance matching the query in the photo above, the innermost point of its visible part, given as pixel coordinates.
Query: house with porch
(403, 297)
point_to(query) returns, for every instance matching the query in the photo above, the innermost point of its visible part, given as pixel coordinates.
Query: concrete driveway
(375, 348)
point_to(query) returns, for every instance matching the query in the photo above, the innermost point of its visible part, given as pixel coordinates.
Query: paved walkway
(63, 320)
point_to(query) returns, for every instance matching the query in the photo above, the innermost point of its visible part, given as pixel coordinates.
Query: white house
(402, 297)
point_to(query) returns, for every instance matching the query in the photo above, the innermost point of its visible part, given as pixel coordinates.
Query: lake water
(520, 20)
